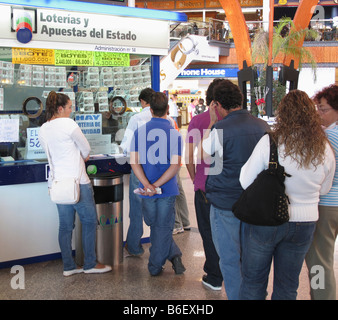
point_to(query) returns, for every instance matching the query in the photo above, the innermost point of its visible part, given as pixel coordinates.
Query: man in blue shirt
(155, 158)
(135, 230)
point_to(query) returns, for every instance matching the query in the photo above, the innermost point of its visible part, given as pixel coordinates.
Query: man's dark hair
(228, 95)
(209, 94)
(145, 94)
(159, 104)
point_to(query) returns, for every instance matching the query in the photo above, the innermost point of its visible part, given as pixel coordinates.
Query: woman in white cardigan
(69, 149)
(307, 157)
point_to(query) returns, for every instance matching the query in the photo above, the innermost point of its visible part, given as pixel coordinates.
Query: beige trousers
(321, 253)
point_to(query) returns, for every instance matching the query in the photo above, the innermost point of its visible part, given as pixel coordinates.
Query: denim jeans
(211, 265)
(287, 245)
(135, 230)
(86, 210)
(225, 228)
(159, 214)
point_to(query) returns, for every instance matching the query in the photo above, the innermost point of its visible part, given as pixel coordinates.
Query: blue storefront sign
(209, 73)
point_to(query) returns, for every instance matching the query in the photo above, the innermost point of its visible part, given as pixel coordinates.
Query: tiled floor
(130, 280)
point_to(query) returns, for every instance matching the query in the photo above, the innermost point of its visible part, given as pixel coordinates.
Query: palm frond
(259, 45)
(284, 42)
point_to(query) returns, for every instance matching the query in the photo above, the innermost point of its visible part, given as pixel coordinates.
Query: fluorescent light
(101, 8)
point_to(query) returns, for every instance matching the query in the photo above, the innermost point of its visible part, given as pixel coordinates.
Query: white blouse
(68, 147)
(303, 187)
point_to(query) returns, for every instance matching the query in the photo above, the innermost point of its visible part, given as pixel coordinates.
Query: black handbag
(264, 202)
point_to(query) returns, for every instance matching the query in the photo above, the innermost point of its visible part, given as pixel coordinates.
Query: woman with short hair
(321, 253)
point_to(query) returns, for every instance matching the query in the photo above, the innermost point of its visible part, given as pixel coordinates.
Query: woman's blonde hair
(298, 128)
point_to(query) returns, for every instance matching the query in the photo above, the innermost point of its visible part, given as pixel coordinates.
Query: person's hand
(149, 190)
(212, 110)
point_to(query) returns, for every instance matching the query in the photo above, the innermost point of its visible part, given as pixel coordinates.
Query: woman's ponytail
(53, 102)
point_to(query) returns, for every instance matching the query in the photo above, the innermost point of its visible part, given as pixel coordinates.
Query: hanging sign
(111, 59)
(32, 56)
(83, 31)
(73, 58)
(190, 48)
(209, 73)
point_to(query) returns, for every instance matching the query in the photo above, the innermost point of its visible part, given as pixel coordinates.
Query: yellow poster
(73, 58)
(32, 56)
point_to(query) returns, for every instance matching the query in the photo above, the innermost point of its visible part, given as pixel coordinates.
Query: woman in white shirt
(69, 149)
(307, 156)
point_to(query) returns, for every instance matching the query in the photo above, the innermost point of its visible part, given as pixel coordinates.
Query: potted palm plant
(285, 39)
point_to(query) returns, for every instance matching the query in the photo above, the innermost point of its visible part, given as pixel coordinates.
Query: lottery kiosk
(101, 56)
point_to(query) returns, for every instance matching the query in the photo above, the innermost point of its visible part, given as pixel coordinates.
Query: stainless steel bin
(108, 194)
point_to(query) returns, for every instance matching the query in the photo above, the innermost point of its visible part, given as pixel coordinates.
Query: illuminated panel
(101, 8)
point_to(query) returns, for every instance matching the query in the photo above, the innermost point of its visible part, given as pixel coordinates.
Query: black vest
(240, 132)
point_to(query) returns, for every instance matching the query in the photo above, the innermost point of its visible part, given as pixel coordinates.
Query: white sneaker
(71, 272)
(209, 285)
(98, 270)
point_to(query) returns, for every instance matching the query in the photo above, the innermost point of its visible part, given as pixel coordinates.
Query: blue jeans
(225, 228)
(135, 230)
(287, 245)
(159, 214)
(86, 210)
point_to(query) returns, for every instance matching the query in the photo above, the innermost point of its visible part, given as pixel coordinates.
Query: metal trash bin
(108, 194)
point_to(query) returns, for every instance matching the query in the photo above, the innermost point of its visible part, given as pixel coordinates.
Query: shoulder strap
(273, 161)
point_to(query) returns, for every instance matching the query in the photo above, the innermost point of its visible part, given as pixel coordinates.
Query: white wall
(306, 82)
(28, 222)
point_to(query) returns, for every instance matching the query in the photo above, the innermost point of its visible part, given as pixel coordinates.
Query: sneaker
(71, 272)
(209, 285)
(178, 230)
(99, 268)
(178, 265)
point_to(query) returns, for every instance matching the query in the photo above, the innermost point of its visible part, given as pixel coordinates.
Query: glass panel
(103, 97)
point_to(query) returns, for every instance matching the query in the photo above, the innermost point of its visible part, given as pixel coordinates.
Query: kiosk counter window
(103, 97)
(100, 55)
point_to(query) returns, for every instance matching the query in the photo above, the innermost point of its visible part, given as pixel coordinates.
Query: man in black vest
(229, 142)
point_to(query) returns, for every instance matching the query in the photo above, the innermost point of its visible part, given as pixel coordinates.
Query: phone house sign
(209, 73)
